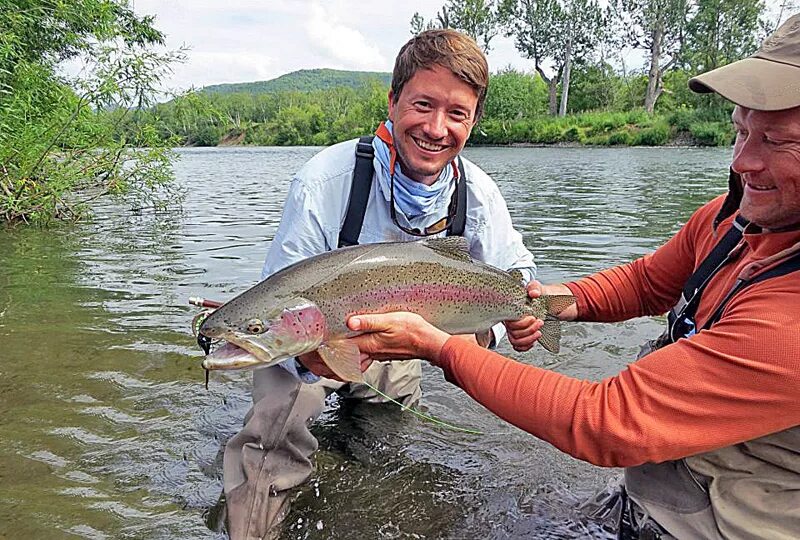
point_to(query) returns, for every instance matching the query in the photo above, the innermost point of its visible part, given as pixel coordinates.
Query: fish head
(258, 336)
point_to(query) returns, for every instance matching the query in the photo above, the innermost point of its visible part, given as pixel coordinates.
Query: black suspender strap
(714, 259)
(460, 219)
(792, 264)
(696, 284)
(359, 192)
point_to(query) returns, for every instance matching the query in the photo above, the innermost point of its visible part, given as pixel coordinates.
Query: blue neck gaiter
(411, 197)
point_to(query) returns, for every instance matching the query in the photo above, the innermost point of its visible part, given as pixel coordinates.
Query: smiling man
(407, 182)
(706, 421)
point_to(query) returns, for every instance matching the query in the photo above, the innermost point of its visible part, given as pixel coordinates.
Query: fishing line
(424, 416)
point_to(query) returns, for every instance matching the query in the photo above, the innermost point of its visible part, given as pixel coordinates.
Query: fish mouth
(241, 351)
(260, 350)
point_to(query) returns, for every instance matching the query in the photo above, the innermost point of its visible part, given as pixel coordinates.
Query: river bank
(683, 127)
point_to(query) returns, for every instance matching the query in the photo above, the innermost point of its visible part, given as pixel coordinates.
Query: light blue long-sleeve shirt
(316, 205)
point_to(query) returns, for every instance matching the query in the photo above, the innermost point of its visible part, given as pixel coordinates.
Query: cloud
(345, 44)
(251, 40)
(207, 67)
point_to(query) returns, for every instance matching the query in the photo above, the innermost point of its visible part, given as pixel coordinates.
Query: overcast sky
(252, 40)
(255, 40)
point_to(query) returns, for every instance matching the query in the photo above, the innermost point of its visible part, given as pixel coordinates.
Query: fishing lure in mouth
(204, 342)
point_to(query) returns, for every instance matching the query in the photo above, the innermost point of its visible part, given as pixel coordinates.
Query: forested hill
(304, 80)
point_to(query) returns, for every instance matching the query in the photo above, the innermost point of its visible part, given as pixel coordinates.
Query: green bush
(711, 133)
(548, 134)
(572, 134)
(637, 116)
(682, 119)
(206, 135)
(620, 138)
(597, 140)
(655, 135)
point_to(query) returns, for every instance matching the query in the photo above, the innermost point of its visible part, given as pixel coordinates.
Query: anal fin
(343, 358)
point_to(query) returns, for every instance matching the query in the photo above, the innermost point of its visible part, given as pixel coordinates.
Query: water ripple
(108, 418)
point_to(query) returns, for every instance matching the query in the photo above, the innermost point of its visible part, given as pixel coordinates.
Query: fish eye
(255, 326)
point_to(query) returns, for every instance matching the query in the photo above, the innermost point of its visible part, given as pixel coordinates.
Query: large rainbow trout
(304, 307)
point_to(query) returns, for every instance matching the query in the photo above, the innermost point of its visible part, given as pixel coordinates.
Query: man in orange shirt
(707, 420)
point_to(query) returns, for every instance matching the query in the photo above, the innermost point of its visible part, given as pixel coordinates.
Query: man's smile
(428, 146)
(759, 187)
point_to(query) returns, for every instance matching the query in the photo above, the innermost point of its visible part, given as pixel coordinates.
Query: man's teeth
(429, 146)
(759, 188)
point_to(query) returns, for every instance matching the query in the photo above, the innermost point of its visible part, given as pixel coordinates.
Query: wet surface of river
(106, 430)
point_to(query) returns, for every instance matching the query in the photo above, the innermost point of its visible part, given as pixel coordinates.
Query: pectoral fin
(343, 358)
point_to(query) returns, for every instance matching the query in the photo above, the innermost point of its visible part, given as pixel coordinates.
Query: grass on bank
(631, 128)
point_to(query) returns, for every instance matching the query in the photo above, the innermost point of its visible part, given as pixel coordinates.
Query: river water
(106, 430)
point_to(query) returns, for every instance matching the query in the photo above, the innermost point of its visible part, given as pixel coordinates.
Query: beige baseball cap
(769, 80)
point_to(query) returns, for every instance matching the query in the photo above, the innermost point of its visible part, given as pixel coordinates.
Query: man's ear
(391, 105)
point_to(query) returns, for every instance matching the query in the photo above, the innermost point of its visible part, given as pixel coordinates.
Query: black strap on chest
(680, 320)
(362, 184)
(792, 264)
(359, 192)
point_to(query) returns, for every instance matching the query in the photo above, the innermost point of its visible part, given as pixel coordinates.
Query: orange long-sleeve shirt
(737, 381)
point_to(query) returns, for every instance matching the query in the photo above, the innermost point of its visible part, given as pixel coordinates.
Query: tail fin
(551, 334)
(557, 303)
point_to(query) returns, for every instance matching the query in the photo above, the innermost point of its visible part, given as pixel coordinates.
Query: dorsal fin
(452, 247)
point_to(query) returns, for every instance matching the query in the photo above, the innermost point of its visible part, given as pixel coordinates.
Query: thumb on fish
(368, 323)
(534, 289)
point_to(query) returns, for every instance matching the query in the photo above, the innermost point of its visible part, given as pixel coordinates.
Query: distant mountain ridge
(304, 80)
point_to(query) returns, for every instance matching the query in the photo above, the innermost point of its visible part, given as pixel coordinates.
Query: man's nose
(747, 155)
(436, 127)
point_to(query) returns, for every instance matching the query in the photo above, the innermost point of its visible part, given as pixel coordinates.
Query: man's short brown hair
(447, 48)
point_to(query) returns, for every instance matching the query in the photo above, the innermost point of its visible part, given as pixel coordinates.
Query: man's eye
(776, 142)
(423, 104)
(458, 114)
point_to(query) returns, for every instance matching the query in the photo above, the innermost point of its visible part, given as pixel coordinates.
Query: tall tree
(535, 26)
(583, 29)
(722, 31)
(554, 34)
(476, 18)
(658, 27)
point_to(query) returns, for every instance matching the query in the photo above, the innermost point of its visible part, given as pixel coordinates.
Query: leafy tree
(554, 33)
(721, 32)
(595, 87)
(476, 18)
(513, 96)
(583, 29)
(57, 146)
(659, 27)
(535, 24)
